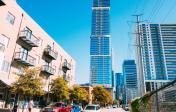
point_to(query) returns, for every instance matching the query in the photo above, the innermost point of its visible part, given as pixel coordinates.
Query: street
(113, 110)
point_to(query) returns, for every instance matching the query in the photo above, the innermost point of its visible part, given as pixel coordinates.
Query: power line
(137, 7)
(156, 7)
(144, 6)
(169, 12)
(159, 8)
(129, 51)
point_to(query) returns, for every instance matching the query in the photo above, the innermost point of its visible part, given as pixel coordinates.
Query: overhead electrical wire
(157, 6)
(169, 11)
(159, 9)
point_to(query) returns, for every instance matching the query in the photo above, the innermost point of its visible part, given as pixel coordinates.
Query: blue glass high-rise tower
(130, 80)
(100, 45)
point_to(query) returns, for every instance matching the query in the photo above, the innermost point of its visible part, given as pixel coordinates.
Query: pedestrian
(30, 105)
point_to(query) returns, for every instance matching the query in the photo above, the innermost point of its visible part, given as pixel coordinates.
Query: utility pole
(140, 74)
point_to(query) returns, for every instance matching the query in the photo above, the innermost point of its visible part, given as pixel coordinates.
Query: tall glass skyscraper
(100, 45)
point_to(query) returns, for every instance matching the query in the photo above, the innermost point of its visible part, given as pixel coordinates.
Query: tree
(101, 96)
(59, 89)
(79, 94)
(29, 83)
(115, 102)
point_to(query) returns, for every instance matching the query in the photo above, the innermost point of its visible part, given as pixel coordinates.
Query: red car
(58, 107)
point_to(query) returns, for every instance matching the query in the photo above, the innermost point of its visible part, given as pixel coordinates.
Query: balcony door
(46, 63)
(28, 33)
(48, 47)
(23, 53)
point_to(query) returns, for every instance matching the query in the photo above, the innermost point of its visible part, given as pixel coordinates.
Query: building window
(65, 61)
(24, 53)
(5, 66)
(40, 41)
(37, 59)
(28, 32)
(4, 41)
(20, 71)
(60, 72)
(48, 46)
(10, 18)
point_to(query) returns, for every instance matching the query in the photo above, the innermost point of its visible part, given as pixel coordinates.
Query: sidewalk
(26, 110)
(20, 110)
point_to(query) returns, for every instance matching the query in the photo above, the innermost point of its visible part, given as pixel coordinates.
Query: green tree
(29, 83)
(59, 89)
(101, 96)
(79, 94)
(115, 102)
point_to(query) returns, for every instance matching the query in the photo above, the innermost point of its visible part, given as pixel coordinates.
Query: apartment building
(23, 43)
(158, 54)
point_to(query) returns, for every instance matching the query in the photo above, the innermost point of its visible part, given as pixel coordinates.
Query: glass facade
(100, 45)
(159, 51)
(130, 80)
(154, 68)
(130, 74)
(169, 48)
(119, 85)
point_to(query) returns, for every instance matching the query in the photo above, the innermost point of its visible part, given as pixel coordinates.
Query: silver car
(92, 108)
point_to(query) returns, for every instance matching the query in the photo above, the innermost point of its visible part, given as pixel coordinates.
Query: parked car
(58, 107)
(126, 108)
(76, 108)
(108, 107)
(114, 106)
(92, 108)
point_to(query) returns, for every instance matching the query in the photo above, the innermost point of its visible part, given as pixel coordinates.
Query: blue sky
(69, 23)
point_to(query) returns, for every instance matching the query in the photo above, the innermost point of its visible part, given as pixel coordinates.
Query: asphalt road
(113, 110)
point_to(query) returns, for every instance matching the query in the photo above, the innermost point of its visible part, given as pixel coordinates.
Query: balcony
(24, 58)
(50, 53)
(66, 66)
(48, 69)
(28, 38)
(2, 3)
(66, 77)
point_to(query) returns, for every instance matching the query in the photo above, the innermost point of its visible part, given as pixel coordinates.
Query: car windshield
(90, 108)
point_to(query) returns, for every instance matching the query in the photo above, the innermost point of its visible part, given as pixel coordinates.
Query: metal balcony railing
(48, 69)
(50, 53)
(29, 38)
(66, 77)
(2, 3)
(24, 58)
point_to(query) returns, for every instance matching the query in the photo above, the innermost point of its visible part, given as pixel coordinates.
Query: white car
(92, 108)
(126, 108)
(114, 106)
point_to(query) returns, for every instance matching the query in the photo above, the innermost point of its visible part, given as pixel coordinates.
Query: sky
(68, 22)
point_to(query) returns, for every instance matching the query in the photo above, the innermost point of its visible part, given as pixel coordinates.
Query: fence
(162, 99)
